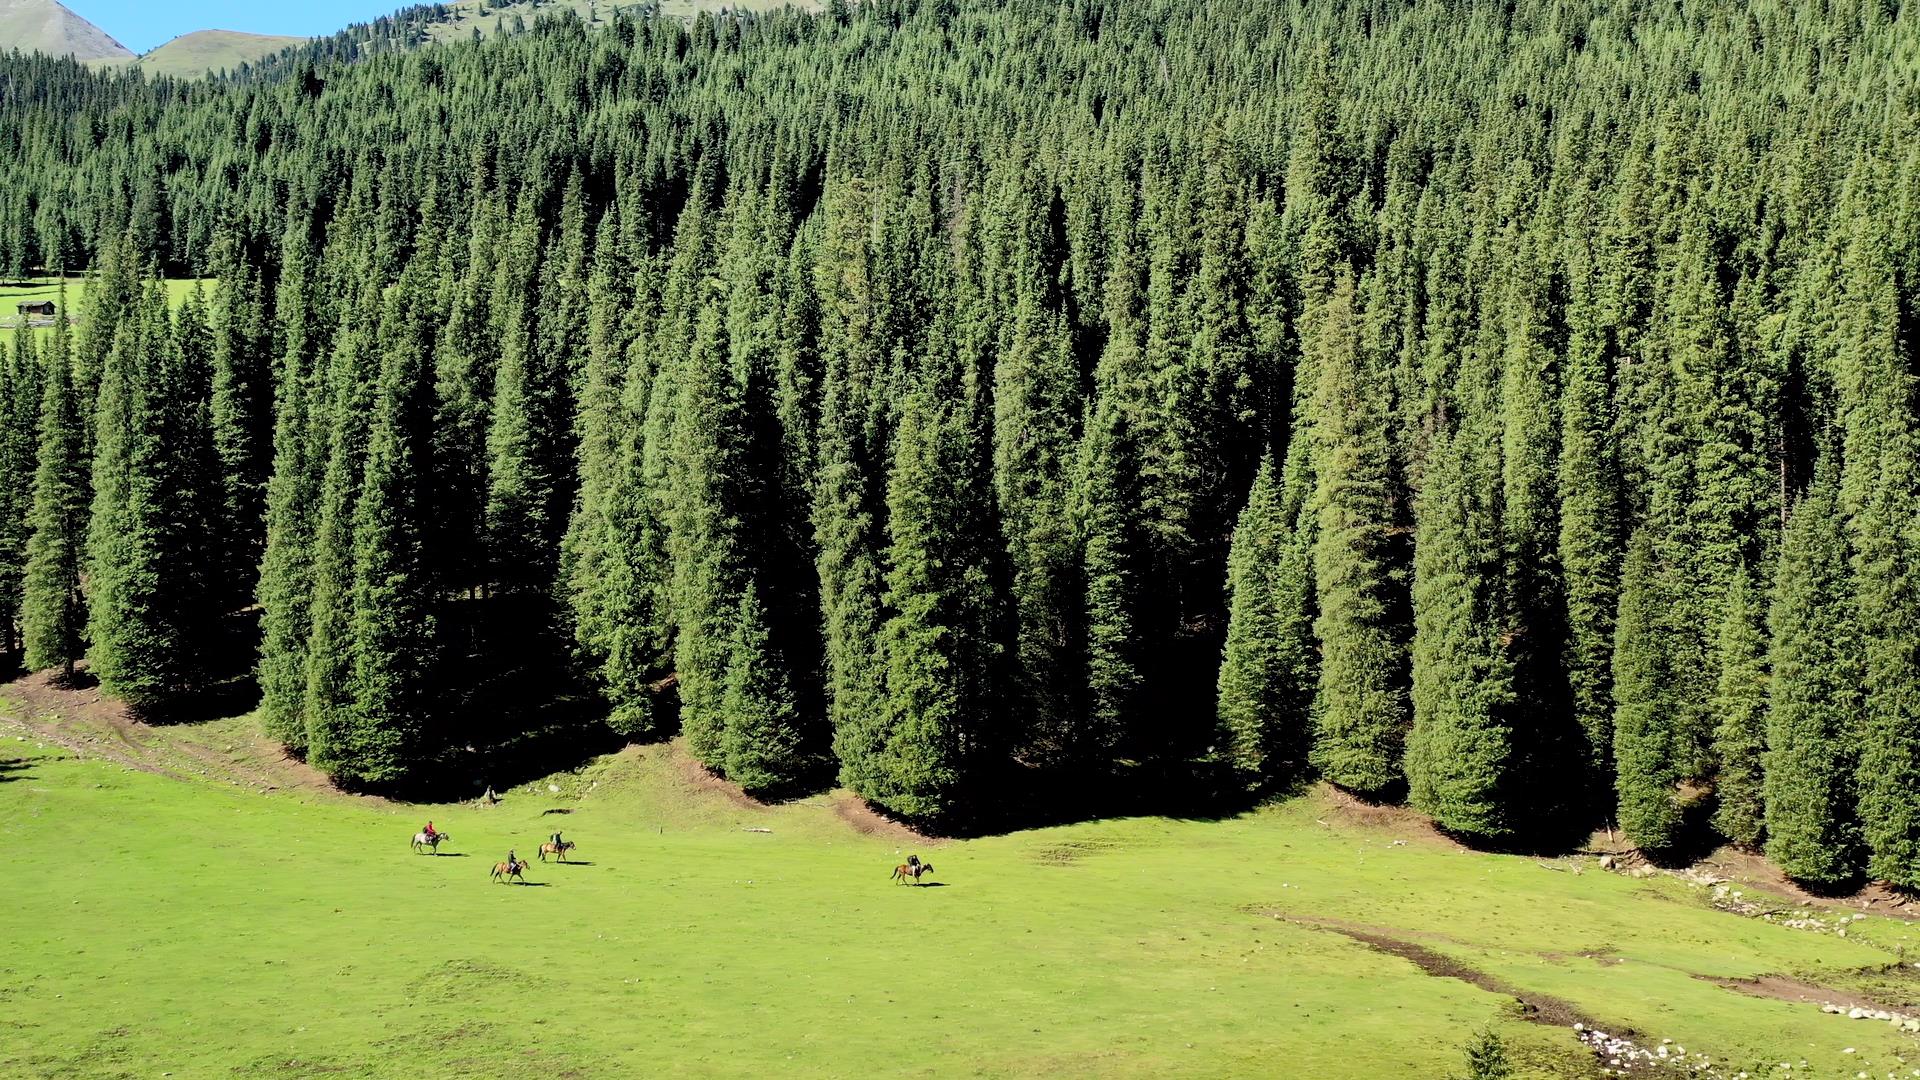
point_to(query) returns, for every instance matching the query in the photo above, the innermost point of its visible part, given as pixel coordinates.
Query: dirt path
(1535, 1008)
(88, 724)
(1785, 988)
(870, 822)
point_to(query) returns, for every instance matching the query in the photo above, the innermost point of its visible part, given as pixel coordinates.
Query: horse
(558, 851)
(907, 874)
(431, 843)
(505, 870)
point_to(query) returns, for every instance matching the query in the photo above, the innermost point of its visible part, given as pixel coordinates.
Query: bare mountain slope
(46, 26)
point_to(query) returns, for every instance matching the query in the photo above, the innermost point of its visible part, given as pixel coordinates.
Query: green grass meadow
(157, 926)
(15, 293)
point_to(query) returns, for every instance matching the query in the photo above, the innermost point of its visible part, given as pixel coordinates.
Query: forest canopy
(1506, 407)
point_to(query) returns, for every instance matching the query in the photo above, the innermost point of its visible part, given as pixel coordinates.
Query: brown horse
(558, 851)
(907, 874)
(502, 871)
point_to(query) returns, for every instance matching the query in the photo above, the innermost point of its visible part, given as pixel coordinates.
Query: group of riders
(514, 863)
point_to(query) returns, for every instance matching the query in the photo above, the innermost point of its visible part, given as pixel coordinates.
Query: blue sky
(142, 24)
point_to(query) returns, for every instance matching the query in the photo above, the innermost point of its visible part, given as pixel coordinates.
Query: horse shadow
(17, 766)
(532, 884)
(572, 862)
(931, 885)
(449, 854)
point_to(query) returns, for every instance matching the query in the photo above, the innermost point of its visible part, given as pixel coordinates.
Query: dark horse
(508, 870)
(911, 873)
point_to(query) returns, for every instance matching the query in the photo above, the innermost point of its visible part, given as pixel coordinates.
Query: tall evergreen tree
(292, 503)
(1590, 526)
(704, 533)
(1646, 763)
(762, 745)
(1462, 754)
(392, 636)
(19, 447)
(940, 646)
(1814, 698)
(1880, 495)
(351, 387)
(149, 575)
(1266, 672)
(1359, 565)
(1740, 700)
(242, 418)
(53, 614)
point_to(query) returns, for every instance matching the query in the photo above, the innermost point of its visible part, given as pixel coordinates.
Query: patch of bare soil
(870, 822)
(1734, 864)
(1345, 808)
(1535, 1008)
(698, 777)
(1785, 988)
(1604, 957)
(80, 719)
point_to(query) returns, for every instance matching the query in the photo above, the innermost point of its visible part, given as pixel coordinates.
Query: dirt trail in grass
(85, 722)
(1786, 988)
(1535, 1008)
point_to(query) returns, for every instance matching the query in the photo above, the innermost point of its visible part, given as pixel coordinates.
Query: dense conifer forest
(997, 405)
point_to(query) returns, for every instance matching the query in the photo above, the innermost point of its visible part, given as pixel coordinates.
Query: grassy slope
(156, 924)
(48, 27)
(205, 51)
(469, 16)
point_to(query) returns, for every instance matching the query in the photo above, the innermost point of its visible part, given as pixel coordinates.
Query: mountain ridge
(48, 26)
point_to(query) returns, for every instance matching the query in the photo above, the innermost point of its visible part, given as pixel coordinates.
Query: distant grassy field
(14, 293)
(203, 52)
(200, 925)
(471, 15)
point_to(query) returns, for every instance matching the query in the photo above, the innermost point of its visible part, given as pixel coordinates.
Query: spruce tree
(762, 746)
(1880, 495)
(149, 579)
(351, 388)
(524, 455)
(53, 612)
(704, 542)
(242, 418)
(1359, 565)
(940, 646)
(1647, 772)
(849, 509)
(1814, 698)
(392, 636)
(292, 504)
(1740, 701)
(1037, 411)
(1590, 533)
(1266, 683)
(20, 395)
(1462, 753)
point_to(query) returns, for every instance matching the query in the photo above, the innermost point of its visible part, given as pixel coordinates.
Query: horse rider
(513, 862)
(430, 832)
(914, 861)
(556, 842)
